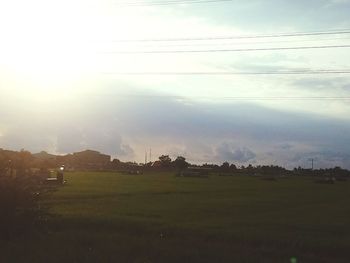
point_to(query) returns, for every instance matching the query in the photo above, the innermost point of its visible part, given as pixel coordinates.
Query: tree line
(20, 193)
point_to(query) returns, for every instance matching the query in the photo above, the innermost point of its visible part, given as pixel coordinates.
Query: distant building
(88, 159)
(156, 164)
(7, 154)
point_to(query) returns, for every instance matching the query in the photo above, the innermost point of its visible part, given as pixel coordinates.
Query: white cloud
(54, 97)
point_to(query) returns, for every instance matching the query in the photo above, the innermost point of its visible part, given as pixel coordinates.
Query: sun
(50, 42)
(42, 41)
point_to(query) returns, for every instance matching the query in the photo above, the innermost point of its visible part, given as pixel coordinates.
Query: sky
(75, 75)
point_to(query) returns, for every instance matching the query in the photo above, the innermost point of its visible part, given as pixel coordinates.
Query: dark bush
(20, 209)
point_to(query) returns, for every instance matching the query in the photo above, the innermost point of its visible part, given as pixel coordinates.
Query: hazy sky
(61, 89)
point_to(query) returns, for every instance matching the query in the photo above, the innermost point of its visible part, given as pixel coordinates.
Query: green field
(109, 217)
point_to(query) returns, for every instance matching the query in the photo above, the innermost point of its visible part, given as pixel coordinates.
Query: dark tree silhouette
(233, 167)
(23, 162)
(225, 167)
(165, 160)
(19, 196)
(180, 163)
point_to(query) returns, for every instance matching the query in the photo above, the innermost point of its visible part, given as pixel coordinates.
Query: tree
(22, 163)
(19, 198)
(180, 163)
(165, 160)
(4, 165)
(225, 167)
(233, 167)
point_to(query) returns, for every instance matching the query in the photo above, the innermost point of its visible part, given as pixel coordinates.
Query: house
(87, 160)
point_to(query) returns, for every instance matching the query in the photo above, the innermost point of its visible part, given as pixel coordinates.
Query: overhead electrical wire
(324, 72)
(224, 50)
(151, 44)
(255, 98)
(162, 3)
(306, 72)
(277, 35)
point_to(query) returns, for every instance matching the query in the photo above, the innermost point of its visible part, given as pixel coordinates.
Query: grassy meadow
(110, 217)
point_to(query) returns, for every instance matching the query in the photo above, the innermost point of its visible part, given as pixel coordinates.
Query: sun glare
(61, 42)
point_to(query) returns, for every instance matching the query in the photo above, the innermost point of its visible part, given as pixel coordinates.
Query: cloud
(332, 84)
(175, 126)
(285, 146)
(337, 2)
(276, 14)
(323, 158)
(48, 108)
(229, 152)
(203, 131)
(104, 140)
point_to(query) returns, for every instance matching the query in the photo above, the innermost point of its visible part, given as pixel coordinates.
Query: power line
(180, 2)
(225, 50)
(308, 72)
(151, 44)
(278, 35)
(255, 98)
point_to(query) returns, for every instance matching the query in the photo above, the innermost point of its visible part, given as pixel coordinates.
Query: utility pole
(150, 154)
(312, 164)
(145, 157)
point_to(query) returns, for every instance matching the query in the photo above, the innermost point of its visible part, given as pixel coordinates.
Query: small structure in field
(327, 180)
(225, 174)
(341, 179)
(132, 172)
(59, 179)
(195, 172)
(269, 178)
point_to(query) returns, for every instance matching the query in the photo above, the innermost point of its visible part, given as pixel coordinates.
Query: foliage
(18, 205)
(19, 197)
(180, 163)
(225, 167)
(165, 160)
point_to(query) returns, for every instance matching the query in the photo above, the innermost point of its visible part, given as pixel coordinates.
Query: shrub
(19, 205)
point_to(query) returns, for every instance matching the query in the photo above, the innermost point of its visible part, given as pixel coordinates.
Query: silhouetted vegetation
(180, 163)
(95, 161)
(20, 192)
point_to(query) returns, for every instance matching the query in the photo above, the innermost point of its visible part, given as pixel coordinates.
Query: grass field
(109, 217)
